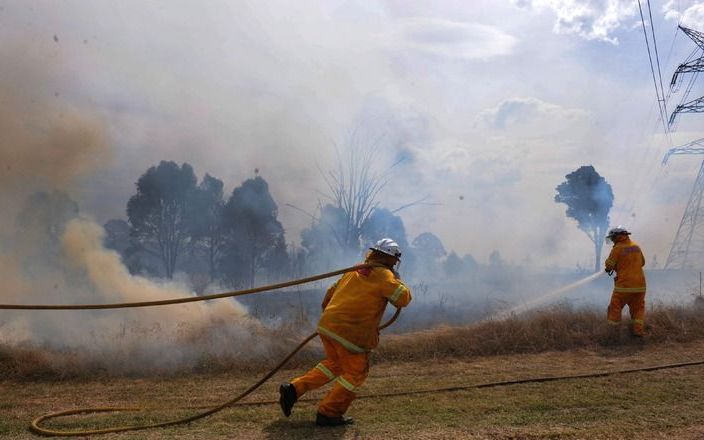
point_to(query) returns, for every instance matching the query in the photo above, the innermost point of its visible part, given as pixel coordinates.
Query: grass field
(661, 404)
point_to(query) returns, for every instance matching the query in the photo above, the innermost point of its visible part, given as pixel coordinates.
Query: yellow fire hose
(166, 302)
(35, 425)
(49, 432)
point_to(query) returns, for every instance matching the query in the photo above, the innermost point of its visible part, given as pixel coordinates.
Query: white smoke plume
(51, 254)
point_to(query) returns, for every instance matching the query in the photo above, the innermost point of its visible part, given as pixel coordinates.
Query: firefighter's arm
(329, 294)
(401, 295)
(610, 263)
(393, 288)
(642, 259)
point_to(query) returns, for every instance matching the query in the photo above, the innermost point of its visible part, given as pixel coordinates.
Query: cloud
(452, 39)
(591, 20)
(518, 112)
(692, 16)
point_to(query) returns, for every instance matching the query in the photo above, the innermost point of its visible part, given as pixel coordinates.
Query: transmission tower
(687, 250)
(693, 65)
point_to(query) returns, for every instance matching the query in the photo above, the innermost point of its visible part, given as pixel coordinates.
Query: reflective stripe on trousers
(636, 306)
(348, 369)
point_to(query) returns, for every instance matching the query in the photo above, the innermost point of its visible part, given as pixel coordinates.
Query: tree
(118, 239)
(254, 237)
(589, 199)
(495, 259)
(383, 223)
(495, 274)
(354, 187)
(470, 263)
(324, 240)
(160, 213)
(453, 265)
(429, 245)
(117, 235)
(207, 223)
(426, 252)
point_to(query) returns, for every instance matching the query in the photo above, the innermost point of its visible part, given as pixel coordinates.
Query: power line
(657, 57)
(645, 172)
(652, 68)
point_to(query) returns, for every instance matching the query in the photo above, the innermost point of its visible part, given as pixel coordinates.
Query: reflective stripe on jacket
(354, 305)
(627, 259)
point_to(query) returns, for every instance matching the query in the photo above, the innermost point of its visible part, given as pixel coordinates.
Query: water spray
(546, 297)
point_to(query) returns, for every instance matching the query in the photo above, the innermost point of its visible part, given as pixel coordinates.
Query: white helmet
(387, 246)
(618, 230)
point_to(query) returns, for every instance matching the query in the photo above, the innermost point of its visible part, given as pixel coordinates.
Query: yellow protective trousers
(347, 369)
(636, 306)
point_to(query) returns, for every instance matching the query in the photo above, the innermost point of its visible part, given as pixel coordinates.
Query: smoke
(70, 146)
(43, 143)
(66, 263)
(50, 253)
(87, 105)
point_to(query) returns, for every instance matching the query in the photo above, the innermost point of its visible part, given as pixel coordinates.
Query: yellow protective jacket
(627, 260)
(354, 305)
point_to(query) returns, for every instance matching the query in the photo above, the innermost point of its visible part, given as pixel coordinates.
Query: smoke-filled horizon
(51, 252)
(488, 105)
(480, 109)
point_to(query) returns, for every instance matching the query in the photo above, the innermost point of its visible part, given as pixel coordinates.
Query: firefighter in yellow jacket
(626, 258)
(348, 328)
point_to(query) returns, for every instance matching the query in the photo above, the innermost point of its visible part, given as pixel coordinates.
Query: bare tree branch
(418, 202)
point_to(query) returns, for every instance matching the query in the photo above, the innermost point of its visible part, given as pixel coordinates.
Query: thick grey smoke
(51, 253)
(276, 85)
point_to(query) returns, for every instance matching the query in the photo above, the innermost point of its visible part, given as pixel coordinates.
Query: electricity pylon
(693, 106)
(693, 65)
(687, 250)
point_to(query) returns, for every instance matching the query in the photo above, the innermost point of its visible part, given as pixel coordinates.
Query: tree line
(178, 224)
(175, 223)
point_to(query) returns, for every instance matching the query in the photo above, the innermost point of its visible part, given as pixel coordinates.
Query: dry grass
(557, 329)
(197, 354)
(659, 405)
(663, 404)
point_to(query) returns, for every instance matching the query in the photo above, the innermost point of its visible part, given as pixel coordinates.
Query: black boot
(287, 397)
(323, 420)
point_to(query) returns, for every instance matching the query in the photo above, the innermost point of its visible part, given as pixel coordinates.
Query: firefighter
(626, 258)
(348, 328)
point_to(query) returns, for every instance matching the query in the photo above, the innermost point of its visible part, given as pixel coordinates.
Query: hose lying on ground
(50, 432)
(234, 402)
(35, 425)
(44, 431)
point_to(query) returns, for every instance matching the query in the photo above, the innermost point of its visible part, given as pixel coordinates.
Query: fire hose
(49, 432)
(35, 424)
(166, 302)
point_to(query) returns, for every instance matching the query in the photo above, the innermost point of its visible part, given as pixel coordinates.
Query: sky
(489, 104)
